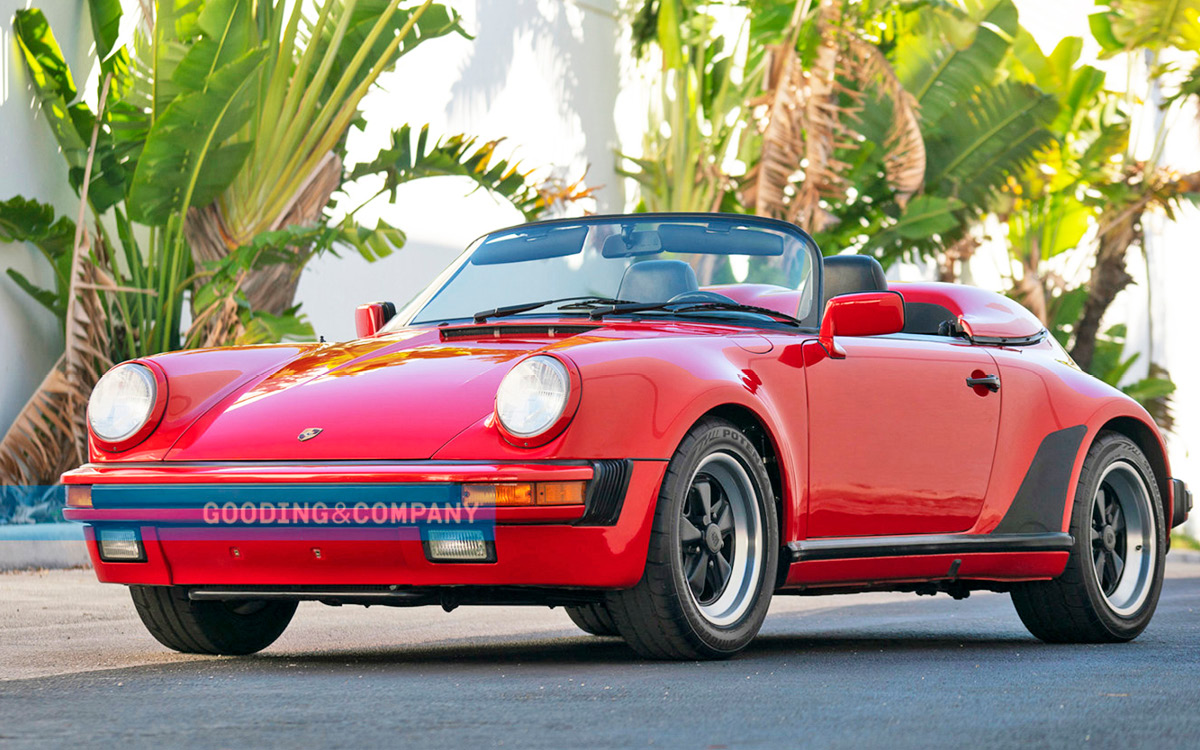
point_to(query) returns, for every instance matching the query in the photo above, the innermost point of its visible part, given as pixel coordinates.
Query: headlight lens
(122, 402)
(532, 396)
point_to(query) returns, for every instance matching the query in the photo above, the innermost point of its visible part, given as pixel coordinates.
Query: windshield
(646, 258)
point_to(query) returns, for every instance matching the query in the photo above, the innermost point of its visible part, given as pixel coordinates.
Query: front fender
(641, 405)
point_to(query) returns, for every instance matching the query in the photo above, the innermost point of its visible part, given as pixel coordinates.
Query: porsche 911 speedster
(655, 421)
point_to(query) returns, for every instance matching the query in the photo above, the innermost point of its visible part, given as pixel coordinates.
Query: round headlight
(532, 396)
(122, 402)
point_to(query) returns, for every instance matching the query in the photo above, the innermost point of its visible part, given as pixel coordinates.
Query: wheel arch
(1147, 439)
(767, 443)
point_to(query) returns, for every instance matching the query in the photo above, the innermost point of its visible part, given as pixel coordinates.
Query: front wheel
(1110, 587)
(713, 555)
(592, 619)
(232, 628)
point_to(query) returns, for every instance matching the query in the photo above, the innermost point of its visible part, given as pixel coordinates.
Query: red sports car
(657, 422)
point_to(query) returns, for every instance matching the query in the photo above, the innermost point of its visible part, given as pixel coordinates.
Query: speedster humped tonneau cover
(982, 315)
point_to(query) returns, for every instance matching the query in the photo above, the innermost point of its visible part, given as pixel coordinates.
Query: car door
(899, 443)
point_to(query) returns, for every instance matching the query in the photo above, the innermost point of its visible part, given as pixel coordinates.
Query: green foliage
(704, 84)
(24, 220)
(413, 158)
(170, 179)
(1126, 25)
(1111, 365)
(981, 128)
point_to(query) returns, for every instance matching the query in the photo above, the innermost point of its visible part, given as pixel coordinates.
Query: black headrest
(656, 281)
(847, 274)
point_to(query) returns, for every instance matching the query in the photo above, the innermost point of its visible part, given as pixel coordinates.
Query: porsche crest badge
(309, 434)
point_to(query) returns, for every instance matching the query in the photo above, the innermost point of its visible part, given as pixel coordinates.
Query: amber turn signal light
(79, 496)
(560, 493)
(524, 494)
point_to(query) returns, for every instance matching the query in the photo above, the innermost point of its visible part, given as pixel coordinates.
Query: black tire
(593, 619)
(661, 617)
(1075, 608)
(226, 628)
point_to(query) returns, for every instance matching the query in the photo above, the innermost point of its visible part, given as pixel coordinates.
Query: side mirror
(864, 314)
(369, 318)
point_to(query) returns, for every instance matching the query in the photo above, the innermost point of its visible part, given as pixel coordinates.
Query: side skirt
(844, 548)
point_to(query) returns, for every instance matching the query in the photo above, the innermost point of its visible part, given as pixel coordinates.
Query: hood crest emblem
(309, 434)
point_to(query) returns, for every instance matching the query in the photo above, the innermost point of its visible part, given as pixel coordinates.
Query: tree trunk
(269, 288)
(1108, 277)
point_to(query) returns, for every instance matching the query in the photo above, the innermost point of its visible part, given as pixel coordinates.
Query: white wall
(30, 165)
(541, 73)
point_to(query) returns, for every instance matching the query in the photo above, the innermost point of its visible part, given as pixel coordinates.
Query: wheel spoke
(688, 533)
(724, 519)
(1111, 508)
(695, 570)
(1116, 565)
(1097, 537)
(704, 495)
(720, 573)
(1119, 520)
(1099, 561)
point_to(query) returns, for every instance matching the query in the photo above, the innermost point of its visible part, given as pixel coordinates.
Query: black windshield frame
(810, 321)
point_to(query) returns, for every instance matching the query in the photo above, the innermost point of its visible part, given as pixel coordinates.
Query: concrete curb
(43, 545)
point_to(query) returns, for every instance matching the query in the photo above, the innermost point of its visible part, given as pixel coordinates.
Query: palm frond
(942, 69)
(996, 132)
(415, 156)
(904, 160)
(783, 137)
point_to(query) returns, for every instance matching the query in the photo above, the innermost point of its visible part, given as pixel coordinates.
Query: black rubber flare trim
(926, 544)
(606, 492)
(1041, 500)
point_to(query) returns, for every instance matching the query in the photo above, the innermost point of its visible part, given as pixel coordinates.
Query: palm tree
(207, 168)
(1132, 28)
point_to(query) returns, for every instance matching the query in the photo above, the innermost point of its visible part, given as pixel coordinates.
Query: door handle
(991, 382)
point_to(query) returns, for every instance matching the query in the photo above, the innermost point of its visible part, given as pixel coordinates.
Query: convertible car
(656, 421)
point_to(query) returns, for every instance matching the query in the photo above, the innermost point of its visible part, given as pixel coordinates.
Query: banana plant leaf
(186, 161)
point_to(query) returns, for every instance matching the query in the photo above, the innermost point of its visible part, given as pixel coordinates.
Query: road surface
(871, 670)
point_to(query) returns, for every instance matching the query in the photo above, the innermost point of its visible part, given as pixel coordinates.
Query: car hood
(391, 397)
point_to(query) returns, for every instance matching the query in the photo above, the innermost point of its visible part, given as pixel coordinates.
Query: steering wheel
(700, 296)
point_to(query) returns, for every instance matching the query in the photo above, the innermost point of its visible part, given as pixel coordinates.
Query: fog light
(120, 545)
(466, 545)
(79, 495)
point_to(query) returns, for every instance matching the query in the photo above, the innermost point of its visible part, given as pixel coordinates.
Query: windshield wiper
(581, 303)
(686, 307)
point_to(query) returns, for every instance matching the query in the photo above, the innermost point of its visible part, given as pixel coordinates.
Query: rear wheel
(712, 562)
(593, 619)
(1111, 584)
(229, 628)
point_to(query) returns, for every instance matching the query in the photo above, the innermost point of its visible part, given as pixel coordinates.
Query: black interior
(849, 274)
(927, 318)
(657, 281)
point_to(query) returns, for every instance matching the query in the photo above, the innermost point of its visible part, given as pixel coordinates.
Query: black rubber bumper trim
(927, 544)
(606, 492)
(1183, 503)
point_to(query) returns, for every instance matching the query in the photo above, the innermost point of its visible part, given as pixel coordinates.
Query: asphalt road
(876, 670)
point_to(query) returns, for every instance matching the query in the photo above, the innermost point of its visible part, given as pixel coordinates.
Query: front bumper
(175, 509)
